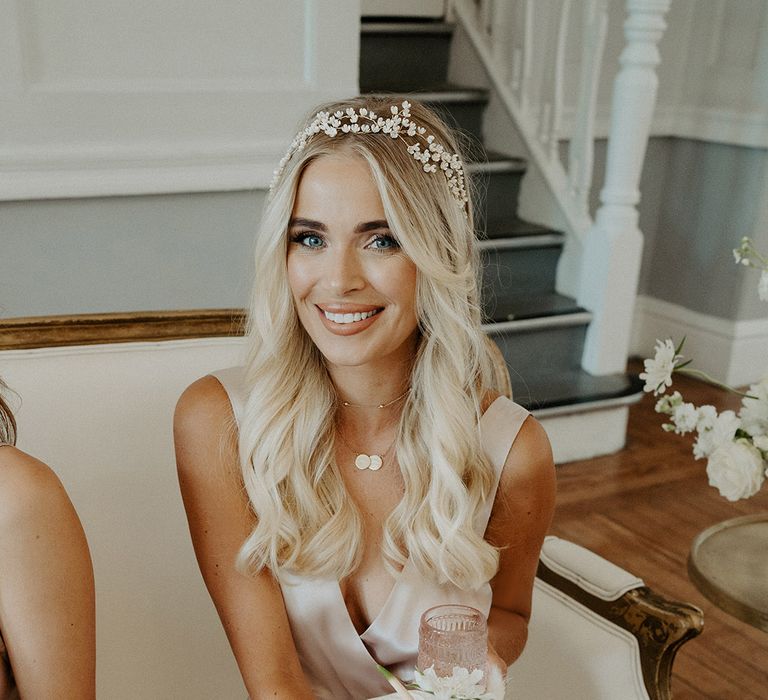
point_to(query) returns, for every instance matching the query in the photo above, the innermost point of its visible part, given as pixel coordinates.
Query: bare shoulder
(527, 487)
(25, 481)
(204, 403)
(30, 494)
(530, 458)
(204, 422)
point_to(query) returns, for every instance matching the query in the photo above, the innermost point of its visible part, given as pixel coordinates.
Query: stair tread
(394, 25)
(571, 388)
(514, 227)
(434, 92)
(493, 161)
(533, 306)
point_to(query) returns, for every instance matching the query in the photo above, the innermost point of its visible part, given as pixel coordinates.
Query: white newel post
(612, 255)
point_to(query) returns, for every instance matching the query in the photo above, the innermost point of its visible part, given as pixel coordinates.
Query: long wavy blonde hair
(305, 522)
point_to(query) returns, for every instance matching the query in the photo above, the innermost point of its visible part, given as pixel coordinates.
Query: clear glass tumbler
(452, 635)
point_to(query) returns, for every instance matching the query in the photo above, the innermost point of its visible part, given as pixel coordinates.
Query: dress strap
(499, 427)
(233, 381)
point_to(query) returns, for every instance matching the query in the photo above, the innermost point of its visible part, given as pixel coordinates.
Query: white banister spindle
(612, 255)
(499, 32)
(525, 73)
(556, 114)
(581, 147)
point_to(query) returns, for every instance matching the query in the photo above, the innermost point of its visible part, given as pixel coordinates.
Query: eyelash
(301, 236)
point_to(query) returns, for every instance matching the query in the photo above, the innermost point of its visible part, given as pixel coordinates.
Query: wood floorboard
(641, 508)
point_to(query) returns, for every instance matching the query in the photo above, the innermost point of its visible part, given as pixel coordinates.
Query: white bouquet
(734, 444)
(461, 685)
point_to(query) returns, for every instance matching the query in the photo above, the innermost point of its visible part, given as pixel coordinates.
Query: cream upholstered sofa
(101, 416)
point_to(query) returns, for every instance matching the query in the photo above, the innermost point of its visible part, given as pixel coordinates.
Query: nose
(343, 271)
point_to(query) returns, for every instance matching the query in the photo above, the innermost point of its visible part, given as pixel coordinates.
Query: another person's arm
(47, 609)
(519, 521)
(251, 608)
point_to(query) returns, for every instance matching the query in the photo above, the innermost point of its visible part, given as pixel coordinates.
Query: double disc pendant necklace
(365, 460)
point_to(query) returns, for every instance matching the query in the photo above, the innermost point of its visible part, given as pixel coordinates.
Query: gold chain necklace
(381, 405)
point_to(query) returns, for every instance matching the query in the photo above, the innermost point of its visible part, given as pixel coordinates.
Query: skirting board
(586, 434)
(735, 352)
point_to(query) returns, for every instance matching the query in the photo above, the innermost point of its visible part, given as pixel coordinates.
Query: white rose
(735, 469)
(761, 442)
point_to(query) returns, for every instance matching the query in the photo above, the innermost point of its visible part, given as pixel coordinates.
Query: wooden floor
(641, 508)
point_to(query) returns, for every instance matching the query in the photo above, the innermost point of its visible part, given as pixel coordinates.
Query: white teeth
(349, 318)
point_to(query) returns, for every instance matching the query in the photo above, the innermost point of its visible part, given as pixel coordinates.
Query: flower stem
(711, 380)
(394, 681)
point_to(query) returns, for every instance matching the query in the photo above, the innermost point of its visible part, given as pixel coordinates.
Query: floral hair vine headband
(397, 126)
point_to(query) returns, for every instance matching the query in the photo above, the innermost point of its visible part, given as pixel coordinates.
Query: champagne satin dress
(339, 662)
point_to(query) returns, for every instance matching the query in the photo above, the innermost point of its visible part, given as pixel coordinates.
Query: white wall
(152, 102)
(104, 97)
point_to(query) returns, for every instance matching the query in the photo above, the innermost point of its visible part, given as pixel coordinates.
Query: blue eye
(384, 243)
(308, 240)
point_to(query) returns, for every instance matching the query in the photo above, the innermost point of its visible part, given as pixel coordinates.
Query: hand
(496, 674)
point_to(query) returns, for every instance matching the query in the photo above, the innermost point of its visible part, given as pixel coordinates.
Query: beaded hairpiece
(397, 126)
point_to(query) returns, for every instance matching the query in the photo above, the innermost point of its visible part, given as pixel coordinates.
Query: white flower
(761, 442)
(667, 403)
(685, 417)
(707, 417)
(658, 371)
(754, 412)
(460, 685)
(715, 434)
(736, 470)
(762, 286)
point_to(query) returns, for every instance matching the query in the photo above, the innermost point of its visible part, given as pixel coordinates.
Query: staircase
(541, 333)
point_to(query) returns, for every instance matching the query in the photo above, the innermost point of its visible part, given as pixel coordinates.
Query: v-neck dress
(339, 662)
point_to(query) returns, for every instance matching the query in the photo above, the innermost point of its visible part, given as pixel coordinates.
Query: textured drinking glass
(452, 635)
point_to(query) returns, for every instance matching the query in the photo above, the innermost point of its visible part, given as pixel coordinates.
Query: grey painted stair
(496, 179)
(527, 306)
(519, 266)
(406, 56)
(544, 345)
(461, 107)
(540, 333)
(550, 394)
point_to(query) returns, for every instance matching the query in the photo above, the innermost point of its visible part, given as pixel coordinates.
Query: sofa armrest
(660, 626)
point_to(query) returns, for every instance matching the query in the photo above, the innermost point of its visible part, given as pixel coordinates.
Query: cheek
(298, 277)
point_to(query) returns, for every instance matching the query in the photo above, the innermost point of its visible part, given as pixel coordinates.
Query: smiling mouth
(344, 319)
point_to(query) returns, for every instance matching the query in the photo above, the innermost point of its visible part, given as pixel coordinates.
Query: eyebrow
(319, 226)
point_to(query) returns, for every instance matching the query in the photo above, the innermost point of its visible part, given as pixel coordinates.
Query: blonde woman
(361, 467)
(47, 609)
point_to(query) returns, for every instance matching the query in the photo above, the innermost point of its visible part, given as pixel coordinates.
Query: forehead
(339, 187)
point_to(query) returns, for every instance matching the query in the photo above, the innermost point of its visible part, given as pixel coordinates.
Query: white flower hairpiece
(397, 126)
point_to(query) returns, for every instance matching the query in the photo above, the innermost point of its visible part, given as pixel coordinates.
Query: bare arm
(251, 608)
(47, 608)
(519, 521)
